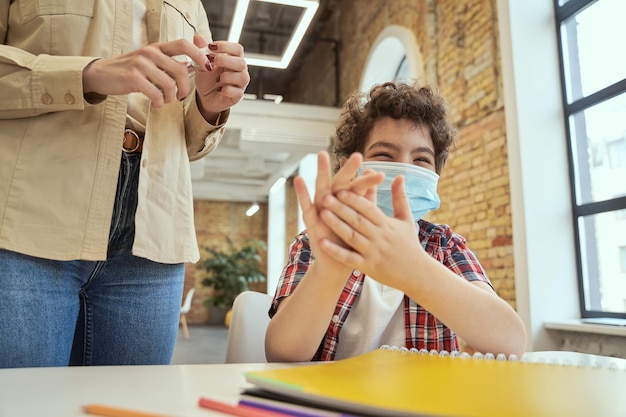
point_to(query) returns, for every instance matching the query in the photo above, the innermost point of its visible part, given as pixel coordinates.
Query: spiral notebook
(398, 382)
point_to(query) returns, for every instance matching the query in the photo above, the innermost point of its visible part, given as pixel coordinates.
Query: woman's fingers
(150, 70)
(225, 83)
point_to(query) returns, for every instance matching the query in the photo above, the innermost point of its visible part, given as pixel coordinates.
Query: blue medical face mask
(420, 185)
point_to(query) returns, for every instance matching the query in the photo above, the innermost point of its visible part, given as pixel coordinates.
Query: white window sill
(617, 327)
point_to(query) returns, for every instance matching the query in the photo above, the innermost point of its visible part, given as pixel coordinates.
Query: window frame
(562, 13)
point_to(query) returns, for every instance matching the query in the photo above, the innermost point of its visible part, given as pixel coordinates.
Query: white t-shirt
(375, 319)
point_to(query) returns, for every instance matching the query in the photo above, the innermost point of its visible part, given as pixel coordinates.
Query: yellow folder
(392, 382)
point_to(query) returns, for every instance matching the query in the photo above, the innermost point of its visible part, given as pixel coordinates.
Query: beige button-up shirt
(59, 155)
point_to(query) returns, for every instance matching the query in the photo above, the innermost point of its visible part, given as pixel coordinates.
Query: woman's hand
(150, 70)
(223, 85)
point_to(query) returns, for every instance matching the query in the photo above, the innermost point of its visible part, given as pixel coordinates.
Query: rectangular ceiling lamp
(272, 61)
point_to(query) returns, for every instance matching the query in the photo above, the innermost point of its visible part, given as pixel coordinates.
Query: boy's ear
(342, 161)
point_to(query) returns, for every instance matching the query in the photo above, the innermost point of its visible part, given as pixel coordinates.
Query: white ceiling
(263, 142)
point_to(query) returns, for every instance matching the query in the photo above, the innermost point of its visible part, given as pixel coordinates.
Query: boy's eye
(423, 160)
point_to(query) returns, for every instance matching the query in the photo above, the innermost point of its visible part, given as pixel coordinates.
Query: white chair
(185, 309)
(248, 322)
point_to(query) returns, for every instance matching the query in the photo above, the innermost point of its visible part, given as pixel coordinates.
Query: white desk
(171, 390)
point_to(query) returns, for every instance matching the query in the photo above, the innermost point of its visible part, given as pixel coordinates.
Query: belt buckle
(129, 135)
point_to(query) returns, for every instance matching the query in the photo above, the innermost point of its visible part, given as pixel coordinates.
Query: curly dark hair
(419, 104)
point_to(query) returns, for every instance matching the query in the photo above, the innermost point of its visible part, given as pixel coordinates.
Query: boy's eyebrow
(424, 149)
(383, 144)
(393, 146)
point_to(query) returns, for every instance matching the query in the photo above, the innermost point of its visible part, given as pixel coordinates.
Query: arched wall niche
(395, 55)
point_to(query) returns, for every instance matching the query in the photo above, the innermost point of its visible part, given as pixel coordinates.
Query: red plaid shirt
(422, 329)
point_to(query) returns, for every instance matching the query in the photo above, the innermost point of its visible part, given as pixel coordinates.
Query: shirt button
(144, 163)
(47, 99)
(335, 319)
(69, 99)
(357, 273)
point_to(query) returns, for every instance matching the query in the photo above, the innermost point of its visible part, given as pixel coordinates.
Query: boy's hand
(378, 245)
(325, 185)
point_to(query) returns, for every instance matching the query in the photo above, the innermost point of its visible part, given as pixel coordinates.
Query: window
(395, 56)
(402, 72)
(593, 78)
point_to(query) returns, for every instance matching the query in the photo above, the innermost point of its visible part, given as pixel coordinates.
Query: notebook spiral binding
(583, 362)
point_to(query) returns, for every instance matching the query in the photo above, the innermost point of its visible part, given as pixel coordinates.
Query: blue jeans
(121, 311)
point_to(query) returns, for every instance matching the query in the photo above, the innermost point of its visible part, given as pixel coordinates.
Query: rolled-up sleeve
(202, 137)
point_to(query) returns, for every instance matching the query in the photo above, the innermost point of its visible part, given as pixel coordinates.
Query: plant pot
(217, 315)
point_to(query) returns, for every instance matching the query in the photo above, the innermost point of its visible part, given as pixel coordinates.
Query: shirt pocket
(31, 9)
(181, 18)
(54, 27)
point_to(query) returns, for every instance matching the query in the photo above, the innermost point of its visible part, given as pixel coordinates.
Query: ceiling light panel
(271, 30)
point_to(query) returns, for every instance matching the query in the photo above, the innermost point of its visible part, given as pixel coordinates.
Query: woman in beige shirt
(98, 124)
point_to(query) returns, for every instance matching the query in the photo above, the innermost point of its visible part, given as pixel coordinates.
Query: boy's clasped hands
(346, 228)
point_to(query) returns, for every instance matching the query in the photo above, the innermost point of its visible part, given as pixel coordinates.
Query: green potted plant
(229, 272)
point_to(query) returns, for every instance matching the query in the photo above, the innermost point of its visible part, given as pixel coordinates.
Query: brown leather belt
(133, 141)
